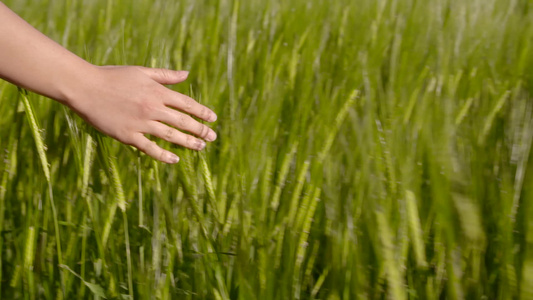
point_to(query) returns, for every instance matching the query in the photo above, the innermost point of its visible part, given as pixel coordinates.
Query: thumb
(165, 76)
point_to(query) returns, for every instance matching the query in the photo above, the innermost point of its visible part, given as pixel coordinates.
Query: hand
(123, 102)
(128, 102)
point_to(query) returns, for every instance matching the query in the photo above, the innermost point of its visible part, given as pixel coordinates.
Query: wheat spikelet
(282, 176)
(415, 229)
(302, 242)
(337, 125)
(395, 282)
(37, 137)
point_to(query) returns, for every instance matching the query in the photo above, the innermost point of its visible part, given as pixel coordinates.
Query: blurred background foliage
(367, 150)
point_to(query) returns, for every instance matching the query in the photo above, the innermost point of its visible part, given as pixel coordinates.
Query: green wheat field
(367, 150)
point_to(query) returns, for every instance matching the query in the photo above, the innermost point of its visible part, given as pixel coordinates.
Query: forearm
(31, 60)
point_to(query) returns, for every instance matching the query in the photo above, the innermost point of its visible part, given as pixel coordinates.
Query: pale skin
(124, 102)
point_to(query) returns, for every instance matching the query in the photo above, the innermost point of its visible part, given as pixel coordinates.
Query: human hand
(127, 102)
(123, 102)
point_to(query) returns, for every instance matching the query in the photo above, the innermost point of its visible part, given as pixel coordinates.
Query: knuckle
(190, 141)
(148, 146)
(169, 134)
(155, 151)
(147, 108)
(124, 135)
(160, 154)
(188, 103)
(204, 113)
(138, 69)
(128, 140)
(204, 130)
(185, 121)
(164, 74)
(181, 121)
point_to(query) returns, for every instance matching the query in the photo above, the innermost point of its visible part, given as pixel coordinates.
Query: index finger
(190, 106)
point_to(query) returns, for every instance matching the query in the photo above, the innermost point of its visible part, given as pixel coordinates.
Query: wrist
(77, 79)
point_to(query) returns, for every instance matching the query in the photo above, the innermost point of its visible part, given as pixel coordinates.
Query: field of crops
(367, 150)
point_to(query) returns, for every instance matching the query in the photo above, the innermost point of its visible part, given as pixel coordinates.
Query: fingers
(190, 106)
(187, 123)
(165, 76)
(175, 136)
(174, 118)
(153, 150)
(177, 100)
(168, 134)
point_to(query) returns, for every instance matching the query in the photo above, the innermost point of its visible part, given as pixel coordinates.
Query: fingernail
(172, 158)
(200, 144)
(212, 118)
(184, 74)
(211, 136)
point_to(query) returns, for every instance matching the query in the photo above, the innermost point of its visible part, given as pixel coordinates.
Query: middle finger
(185, 122)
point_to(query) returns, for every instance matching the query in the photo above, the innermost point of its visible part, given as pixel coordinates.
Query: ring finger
(175, 136)
(187, 123)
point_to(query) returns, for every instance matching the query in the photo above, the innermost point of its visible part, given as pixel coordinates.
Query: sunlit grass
(366, 150)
